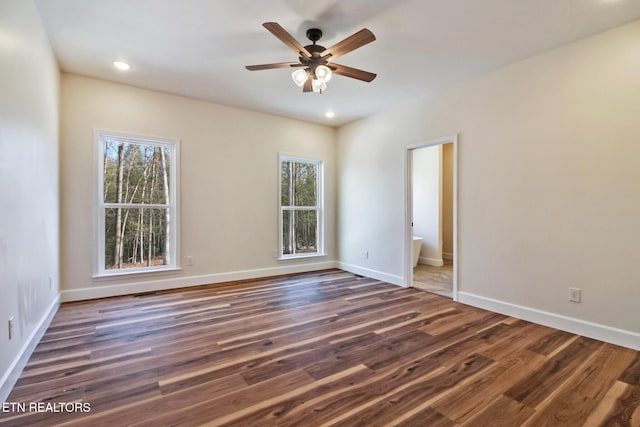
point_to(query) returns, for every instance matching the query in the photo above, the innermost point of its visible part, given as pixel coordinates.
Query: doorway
(431, 216)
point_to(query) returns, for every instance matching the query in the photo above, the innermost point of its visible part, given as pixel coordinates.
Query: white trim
(12, 374)
(577, 326)
(436, 141)
(183, 282)
(135, 272)
(407, 280)
(435, 262)
(134, 206)
(447, 255)
(373, 274)
(301, 256)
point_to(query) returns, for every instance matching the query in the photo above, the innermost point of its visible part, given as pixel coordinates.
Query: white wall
(29, 253)
(229, 183)
(426, 202)
(549, 181)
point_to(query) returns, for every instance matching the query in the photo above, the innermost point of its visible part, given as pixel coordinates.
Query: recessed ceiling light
(121, 65)
(329, 114)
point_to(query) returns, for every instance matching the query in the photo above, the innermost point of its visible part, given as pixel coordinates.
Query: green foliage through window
(300, 206)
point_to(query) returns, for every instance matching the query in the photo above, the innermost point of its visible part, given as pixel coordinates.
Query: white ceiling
(199, 48)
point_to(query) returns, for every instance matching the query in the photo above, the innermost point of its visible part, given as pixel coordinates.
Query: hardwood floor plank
(318, 363)
(597, 376)
(127, 413)
(503, 412)
(416, 322)
(464, 403)
(475, 343)
(524, 334)
(312, 349)
(428, 417)
(333, 407)
(632, 374)
(549, 343)
(35, 362)
(209, 408)
(271, 411)
(409, 400)
(533, 389)
(567, 410)
(451, 338)
(619, 407)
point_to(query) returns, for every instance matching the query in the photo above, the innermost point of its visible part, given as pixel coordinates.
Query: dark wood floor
(319, 349)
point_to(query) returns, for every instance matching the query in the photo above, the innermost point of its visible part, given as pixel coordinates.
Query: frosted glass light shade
(318, 85)
(323, 73)
(300, 76)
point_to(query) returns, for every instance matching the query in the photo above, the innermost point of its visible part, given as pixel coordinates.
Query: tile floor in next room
(438, 280)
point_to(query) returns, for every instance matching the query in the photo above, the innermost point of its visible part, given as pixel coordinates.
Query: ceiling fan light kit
(323, 73)
(300, 76)
(318, 85)
(316, 60)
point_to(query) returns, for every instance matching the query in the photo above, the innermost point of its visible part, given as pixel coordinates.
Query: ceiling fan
(315, 65)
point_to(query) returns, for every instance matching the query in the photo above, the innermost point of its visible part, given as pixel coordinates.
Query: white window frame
(319, 207)
(100, 206)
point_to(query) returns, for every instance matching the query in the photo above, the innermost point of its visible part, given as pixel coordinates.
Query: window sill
(302, 256)
(136, 273)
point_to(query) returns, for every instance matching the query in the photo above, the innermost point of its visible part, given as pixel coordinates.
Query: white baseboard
(106, 290)
(447, 255)
(431, 261)
(374, 274)
(581, 327)
(12, 374)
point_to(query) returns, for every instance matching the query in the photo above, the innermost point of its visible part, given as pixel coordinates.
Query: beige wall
(548, 182)
(447, 201)
(29, 85)
(229, 182)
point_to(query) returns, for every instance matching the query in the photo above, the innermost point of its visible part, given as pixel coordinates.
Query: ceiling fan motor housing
(314, 34)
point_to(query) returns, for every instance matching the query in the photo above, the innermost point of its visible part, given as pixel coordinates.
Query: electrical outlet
(50, 282)
(275, 254)
(575, 295)
(189, 260)
(366, 255)
(11, 330)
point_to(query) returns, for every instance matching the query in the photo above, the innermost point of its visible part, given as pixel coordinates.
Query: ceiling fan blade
(308, 85)
(354, 73)
(349, 44)
(286, 38)
(276, 65)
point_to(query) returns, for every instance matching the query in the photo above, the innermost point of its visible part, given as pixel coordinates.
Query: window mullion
(135, 206)
(301, 208)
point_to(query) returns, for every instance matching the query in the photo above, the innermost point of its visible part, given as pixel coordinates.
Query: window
(300, 207)
(137, 204)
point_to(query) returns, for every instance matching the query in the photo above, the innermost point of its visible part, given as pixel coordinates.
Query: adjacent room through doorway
(431, 208)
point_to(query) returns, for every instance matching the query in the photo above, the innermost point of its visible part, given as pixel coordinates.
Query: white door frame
(408, 202)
